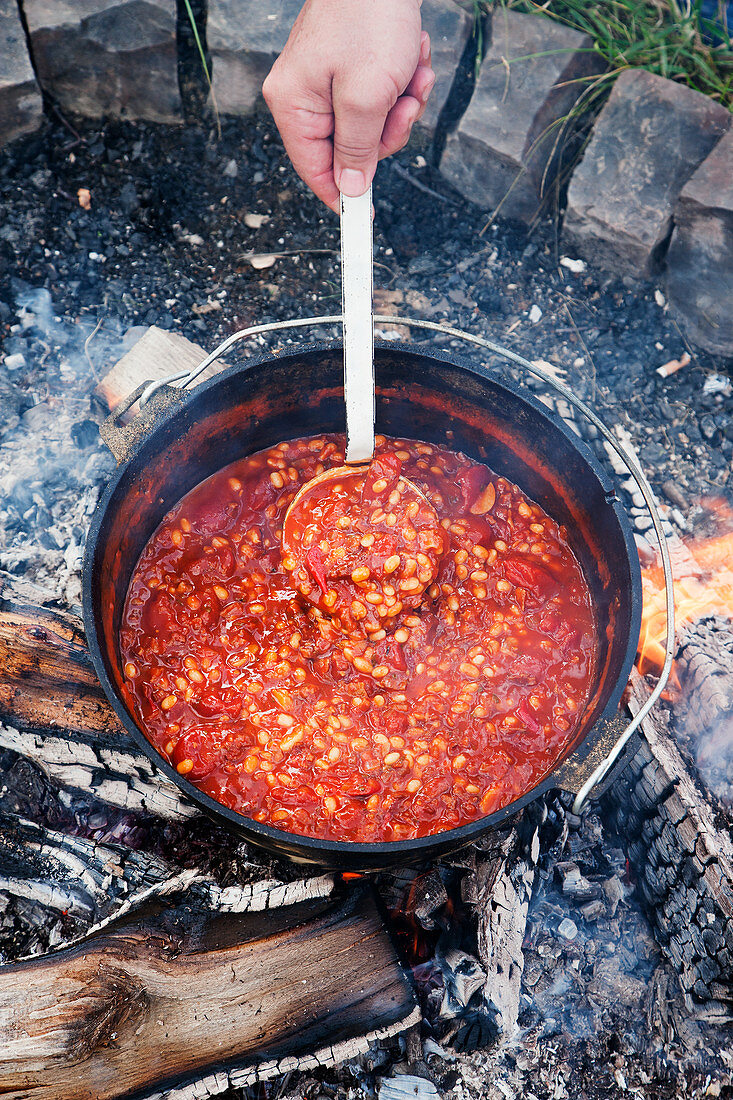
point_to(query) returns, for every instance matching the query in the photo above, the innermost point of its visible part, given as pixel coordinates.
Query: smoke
(52, 463)
(35, 309)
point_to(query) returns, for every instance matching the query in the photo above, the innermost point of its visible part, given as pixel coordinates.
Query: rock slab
(504, 153)
(246, 36)
(450, 28)
(101, 58)
(21, 108)
(700, 257)
(646, 143)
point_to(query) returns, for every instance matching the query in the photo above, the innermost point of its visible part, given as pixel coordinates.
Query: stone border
(651, 195)
(21, 107)
(657, 166)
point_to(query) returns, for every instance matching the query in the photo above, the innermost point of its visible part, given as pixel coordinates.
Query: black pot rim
(373, 853)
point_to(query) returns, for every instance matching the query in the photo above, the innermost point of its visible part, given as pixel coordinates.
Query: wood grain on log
(48, 679)
(683, 860)
(184, 993)
(156, 355)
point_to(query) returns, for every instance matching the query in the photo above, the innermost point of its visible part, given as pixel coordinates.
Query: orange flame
(703, 586)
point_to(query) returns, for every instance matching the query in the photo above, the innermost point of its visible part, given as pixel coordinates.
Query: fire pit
(544, 925)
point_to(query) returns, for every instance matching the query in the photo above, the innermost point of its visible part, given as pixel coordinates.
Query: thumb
(358, 126)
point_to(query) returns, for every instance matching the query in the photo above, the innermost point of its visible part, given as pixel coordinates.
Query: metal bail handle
(184, 378)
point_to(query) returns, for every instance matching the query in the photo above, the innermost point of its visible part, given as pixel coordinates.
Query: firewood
(156, 355)
(49, 684)
(48, 678)
(504, 884)
(705, 708)
(95, 883)
(182, 994)
(110, 769)
(683, 860)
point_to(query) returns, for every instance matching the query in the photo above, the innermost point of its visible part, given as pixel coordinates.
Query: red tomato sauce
(382, 728)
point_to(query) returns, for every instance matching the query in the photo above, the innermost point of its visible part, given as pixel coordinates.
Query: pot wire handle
(623, 451)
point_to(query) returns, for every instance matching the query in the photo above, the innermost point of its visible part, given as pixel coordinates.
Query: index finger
(312, 158)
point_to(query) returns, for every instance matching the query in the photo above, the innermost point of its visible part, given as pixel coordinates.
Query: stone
(450, 27)
(505, 152)
(21, 107)
(700, 257)
(647, 141)
(567, 928)
(101, 58)
(245, 37)
(14, 362)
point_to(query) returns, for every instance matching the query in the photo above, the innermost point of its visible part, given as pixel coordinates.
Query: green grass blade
(204, 66)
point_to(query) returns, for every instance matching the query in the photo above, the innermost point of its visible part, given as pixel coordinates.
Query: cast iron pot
(182, 437)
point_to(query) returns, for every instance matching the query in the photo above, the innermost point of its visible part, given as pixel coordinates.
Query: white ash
(52, 466)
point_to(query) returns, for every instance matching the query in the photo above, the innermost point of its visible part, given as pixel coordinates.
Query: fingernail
(425, 48)
(427, 90)
(352, 182)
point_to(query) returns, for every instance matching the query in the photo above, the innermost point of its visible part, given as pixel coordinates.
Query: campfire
(703, 588)
(458, 953)
(149, 951)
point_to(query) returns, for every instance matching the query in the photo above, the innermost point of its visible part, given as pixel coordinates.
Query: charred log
(705, 710)
(108, 768)
(462, 923)
(49, 684)
(683, 860)
(188, 994)
(92, 884)
(503, 887)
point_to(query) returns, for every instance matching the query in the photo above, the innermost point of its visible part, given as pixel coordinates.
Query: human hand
(353, 78)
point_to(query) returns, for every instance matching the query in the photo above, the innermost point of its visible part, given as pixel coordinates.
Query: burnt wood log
(92, 883)
(110, 769)
(184, 994)
(682, 855)
(705, 709)
(49, 684)
(73, 874)
(503, 890)
(471, 987)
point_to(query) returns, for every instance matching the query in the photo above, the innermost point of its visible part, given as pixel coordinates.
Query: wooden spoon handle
(358, 326)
